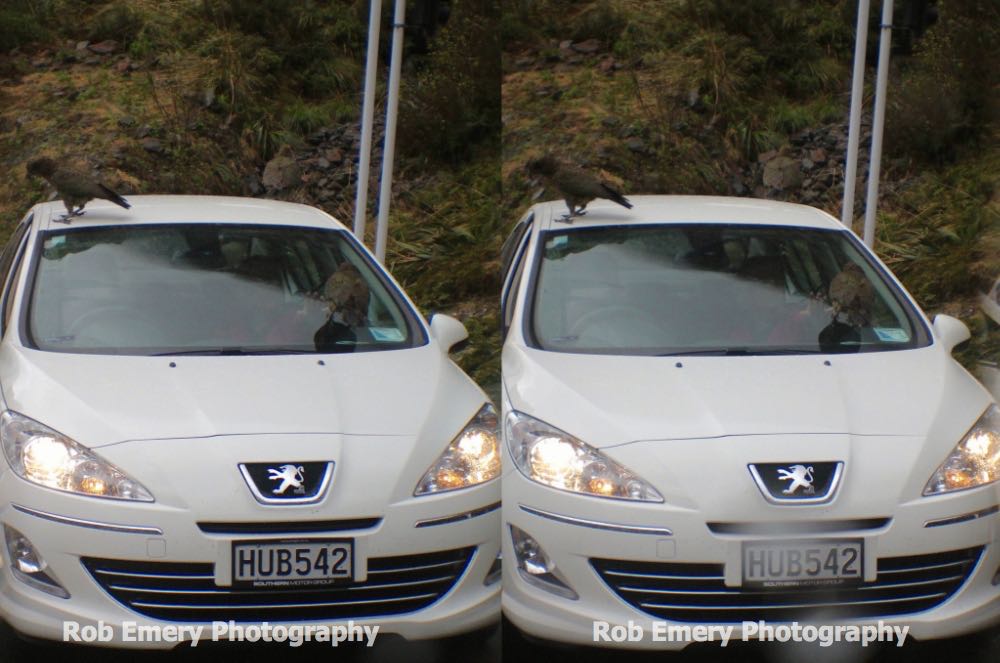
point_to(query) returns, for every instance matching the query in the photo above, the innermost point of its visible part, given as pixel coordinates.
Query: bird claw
(65, 218)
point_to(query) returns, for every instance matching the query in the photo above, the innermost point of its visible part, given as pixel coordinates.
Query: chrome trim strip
(288, 501)
(613, 527)
(822, 499)
(431, 522)
(259, 606)
(230, 592)
(780, 606)
(965, 517)
(422, 567)
(92, 524)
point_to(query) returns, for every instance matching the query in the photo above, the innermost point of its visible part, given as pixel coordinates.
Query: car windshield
(714, 289)
(211, 289)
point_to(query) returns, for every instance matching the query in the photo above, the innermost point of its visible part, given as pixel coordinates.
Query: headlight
(473, 457)
(41, 455)
(975, 461)
(554, 458)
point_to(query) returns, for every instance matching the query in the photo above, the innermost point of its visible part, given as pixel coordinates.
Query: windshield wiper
(740, 352)
(235, 351)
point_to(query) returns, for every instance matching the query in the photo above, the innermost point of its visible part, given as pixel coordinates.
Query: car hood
(102, 399)
(611, 400)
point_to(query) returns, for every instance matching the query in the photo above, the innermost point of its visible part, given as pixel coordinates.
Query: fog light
(28, 566)
(495, 572)
(535, 567)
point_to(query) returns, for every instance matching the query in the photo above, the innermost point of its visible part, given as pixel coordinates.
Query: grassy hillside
(671, 96)
(699, 96)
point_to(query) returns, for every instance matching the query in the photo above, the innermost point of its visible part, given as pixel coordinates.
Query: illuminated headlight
(975, 461)
(554, 458)
(42, 456)
(473, 457)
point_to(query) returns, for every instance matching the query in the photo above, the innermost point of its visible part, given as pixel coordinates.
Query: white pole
(389, 148)
(857, 94)
(881, 86)
(367, 119)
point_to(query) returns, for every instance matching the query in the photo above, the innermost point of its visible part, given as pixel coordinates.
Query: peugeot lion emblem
(799, 475)
(290, 476)
(798, 482)
(288, 482)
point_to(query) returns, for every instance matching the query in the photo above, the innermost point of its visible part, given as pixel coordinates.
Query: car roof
(155, 209)
(685, 209)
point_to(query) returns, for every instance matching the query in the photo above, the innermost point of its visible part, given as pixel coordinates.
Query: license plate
(292, 563)
(794, 563)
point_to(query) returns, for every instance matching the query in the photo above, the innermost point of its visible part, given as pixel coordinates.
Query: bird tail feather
(616, 197)
(114, 197)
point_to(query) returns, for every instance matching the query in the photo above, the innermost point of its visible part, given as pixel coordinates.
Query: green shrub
(21, 23)
(946, 94)
(453, 102)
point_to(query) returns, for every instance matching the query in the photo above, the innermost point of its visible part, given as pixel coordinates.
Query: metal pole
(881, 85)
(857, 94)
(367, 119)
(389, 148)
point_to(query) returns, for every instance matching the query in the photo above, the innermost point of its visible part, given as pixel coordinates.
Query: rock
(106, 47)
(124, 65)
(126, 121)
(607, 65)
(587, 47)
(323, 163)
(807, 164)
(41, 62)
(143, 131)
(737, 187)
(818, 155)
(782, 173)
(767, 156)
(281, 172)
(827, 177)
(82, 45)
(93, 60)
(334, 155)
(152, 145)
(636, 145)
(252, 184)
(566, 45)
(522, 63)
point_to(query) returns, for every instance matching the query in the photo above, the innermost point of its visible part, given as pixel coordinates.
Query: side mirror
(449, 333)
(950, 331)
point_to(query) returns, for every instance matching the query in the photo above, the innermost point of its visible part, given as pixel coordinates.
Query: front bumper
(462, 603)
(547, 516)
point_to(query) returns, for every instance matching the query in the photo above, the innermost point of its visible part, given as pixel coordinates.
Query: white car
(718, 411)
(221, 409)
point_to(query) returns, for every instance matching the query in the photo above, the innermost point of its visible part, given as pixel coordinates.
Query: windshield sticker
(386, 334)
(891, 334)
(556, 242)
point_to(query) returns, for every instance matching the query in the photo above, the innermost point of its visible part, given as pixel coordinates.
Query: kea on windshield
(575, 185)
(75, 188)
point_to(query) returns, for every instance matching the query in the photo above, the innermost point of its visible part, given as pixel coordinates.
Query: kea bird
(853, 295)
(75, 188)
(575, 185)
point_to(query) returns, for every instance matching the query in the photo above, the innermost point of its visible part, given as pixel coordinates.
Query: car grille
(187, 592)
(697, 593)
